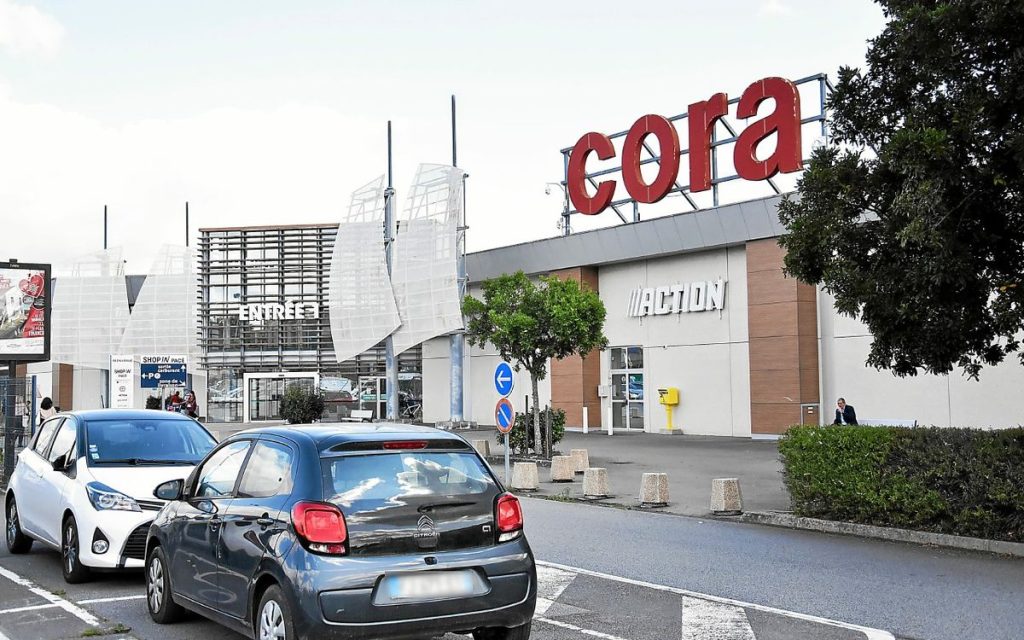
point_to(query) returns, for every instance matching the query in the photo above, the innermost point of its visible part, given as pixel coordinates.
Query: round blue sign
(504, 415)
(503, 379)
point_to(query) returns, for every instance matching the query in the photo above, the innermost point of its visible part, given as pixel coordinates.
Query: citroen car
(343, 531)
(84, 484)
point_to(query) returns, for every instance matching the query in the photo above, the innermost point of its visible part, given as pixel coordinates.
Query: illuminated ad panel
(24, 311)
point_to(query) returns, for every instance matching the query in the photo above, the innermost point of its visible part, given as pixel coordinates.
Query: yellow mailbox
(668, 396)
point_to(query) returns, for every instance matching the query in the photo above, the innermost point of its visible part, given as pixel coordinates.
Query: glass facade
(627, 370)
(263, 308)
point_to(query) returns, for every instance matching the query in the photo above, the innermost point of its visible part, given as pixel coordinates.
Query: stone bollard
(563, 468)
(726, 498)
(524, 476)
(595, 483)
(654, 490)
(483, 447)
(581, 458)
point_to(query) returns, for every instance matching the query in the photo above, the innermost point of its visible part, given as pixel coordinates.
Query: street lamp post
(564, 225)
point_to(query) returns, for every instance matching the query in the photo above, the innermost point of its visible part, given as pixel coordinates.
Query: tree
(301, 406)
(530, 323)
(914, 218)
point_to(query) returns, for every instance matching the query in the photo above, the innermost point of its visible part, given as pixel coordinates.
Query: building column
(783, 332)
(574, 380)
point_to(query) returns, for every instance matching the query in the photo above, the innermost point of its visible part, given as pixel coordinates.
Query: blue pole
(390, 366)
(456, 341)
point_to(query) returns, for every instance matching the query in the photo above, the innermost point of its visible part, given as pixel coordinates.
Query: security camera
(547, 191)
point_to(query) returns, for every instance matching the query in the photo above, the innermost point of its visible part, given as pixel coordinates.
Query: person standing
(845, 413)
(46, 409)
(191, 406)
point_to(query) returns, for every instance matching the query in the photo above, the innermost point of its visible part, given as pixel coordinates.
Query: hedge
(521, 436)
(965, 482)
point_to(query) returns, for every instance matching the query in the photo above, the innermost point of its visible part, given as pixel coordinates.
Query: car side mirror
(170, 490)
(61, 463)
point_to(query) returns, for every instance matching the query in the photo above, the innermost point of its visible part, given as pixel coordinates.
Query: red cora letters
(783, 121)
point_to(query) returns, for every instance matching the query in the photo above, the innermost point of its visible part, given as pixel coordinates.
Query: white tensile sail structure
(165, 318)
(90, 309)
(360, 299)
(425, 268)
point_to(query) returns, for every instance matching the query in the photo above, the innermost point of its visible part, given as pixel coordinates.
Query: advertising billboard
(25, 298)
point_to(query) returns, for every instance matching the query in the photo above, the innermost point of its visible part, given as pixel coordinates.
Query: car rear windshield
(360, 480)
(140, 442)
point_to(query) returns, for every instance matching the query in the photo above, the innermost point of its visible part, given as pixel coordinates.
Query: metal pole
(714, 163)
(104, 227)
(508, 476)
(186, 223)
(456, 341)
(390, 365)
(566, 229)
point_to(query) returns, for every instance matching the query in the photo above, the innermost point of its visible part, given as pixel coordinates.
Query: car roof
(125, 414)
(327, 435)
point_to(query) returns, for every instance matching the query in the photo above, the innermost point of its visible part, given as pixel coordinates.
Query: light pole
(564, 224)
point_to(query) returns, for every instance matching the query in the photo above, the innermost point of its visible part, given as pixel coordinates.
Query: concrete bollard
(654, 490)
(581, 458)
(563, 468)
(726, 498)
(595, 483)
(483, 447)
(524, 476)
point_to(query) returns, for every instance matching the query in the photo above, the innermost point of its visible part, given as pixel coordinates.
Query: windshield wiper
(140, 461)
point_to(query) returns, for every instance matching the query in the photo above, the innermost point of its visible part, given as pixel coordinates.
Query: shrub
(521, 436)
(958, 481)
(299, 406)
(153, 402)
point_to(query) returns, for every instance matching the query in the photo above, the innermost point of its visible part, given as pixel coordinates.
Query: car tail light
(509, 516)
(406, 444)
(321, 526)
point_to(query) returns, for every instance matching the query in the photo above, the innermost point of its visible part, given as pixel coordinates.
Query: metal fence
(18, 420)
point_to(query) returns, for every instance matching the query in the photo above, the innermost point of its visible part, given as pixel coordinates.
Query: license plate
(431, 585)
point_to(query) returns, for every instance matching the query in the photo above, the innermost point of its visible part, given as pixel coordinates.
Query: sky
(260, 112)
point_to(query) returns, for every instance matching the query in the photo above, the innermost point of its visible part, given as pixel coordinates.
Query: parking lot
(573, 604)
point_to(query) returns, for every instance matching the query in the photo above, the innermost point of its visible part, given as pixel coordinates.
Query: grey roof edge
(592, 248)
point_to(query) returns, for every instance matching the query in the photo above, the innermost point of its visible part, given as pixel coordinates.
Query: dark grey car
(343, 531)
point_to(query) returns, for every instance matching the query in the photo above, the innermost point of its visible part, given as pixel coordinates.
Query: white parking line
(706, 620)
(871, 634)
(56, 600)
(115, 599)
(572, 627)
(31, 608)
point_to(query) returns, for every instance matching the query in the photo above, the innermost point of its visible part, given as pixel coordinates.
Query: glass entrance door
(627, 371)
(265, 395)
(373, 393)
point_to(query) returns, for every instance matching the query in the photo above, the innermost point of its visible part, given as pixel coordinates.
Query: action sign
(503, 380)
(504, 416)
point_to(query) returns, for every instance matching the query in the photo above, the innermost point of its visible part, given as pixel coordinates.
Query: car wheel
(71, 553)
(17, 541)
(503, 633)
(274, 617)
(162, 607)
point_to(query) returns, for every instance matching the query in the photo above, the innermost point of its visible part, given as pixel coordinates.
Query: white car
(84, 486)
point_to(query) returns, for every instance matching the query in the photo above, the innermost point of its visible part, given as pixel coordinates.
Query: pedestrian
(191, 406)
(845, 413)
(174, 402)
(46, 409)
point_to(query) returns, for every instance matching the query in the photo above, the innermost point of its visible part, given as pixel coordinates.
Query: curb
(1002, 547)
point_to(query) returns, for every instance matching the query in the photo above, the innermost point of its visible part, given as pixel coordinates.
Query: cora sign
(784, 122)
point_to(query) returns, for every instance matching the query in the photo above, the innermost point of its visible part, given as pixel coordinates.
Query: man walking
(845, 413)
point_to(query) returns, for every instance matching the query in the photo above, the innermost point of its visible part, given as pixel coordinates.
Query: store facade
(698, 301)
(264, 327)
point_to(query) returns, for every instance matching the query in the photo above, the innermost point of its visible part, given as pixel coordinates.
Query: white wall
(704, 354)
(479, 396)
(947, 400)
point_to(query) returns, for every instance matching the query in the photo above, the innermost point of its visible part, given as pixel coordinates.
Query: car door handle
(265, 521)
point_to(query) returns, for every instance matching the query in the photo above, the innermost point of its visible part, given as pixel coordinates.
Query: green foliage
(521, 436)
(299, 406)
(153, 402)
(914, 220)
(529, 323)
(958, 481)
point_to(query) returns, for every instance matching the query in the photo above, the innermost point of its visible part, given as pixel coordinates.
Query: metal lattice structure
(165, 318)
(360, 299)
(90, 309)
(425, 269)
(724, 134)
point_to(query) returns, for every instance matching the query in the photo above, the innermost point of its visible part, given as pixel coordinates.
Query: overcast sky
(261, 112)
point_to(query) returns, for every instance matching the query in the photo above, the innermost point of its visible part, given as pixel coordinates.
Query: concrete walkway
(691, 462)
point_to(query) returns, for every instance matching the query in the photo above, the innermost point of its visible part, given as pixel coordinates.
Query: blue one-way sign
(503, 380)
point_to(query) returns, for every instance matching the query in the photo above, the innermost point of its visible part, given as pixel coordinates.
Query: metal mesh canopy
(360, 300)
(90, 309)
(165, 317)
(425, 269)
